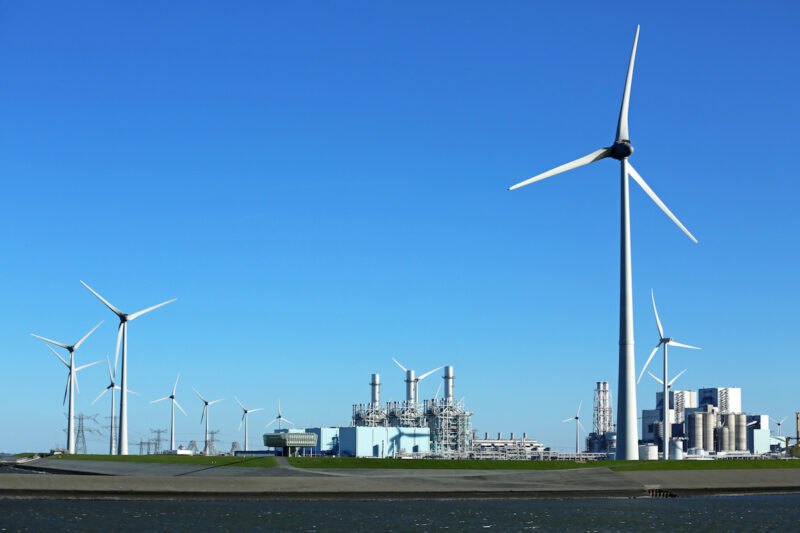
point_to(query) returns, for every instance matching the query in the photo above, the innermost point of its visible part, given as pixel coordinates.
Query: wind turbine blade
(580, 425)
(656, 378)
(437, 391)
(398, 364)
(198, 395)
(578, 414)
(658, 322)
(179, 407)
(679, 345)
(100, 395)
(132, 392)
(255, 410)
(622, 125)
(114, 309)
(160, 399)
(143, 311)
(66, 389)
(635, 175)
(423, 376)
(175, 387)
(288, 421)
(648, 361)
(77, 387)
(51, 342)
(116, 352)
(676, 377)
(241, 421)
(87, 366)
(203, 413)
(272, 422)
(240, 403)
(568, 419)
(56, 354)
(215, 401)
(84, 337)
(783, 420)
(585, 160)
(110, 375)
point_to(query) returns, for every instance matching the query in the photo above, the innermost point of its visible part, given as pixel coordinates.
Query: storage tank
(730, 423)
(741, 432)
(725, 439)
(676, 450)
(709, 423)
(648, 452)
(696, 430)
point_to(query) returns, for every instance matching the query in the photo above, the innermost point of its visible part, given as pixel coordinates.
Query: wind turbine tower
(578, 427)
(244, 419)
(122, 335)
(206, 413)
(621, 150)
(112, 386)
(172, 418)
(72, 379)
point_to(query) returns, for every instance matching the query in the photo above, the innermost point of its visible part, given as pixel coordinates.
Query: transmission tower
(158, 433)
(212, 442)
(234, 446)
(82, 429)
(193, 446)
(141, 446)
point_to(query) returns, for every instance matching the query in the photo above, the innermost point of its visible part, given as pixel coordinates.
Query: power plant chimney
(448, 383)
(410, 386)
(375, 384)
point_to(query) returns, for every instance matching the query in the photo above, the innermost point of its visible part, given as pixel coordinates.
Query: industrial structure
(603, 438)
(446, 419)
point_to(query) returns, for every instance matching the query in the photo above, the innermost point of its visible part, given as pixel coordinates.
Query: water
(738, 513)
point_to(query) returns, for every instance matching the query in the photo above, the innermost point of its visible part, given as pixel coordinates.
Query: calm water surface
(741, 513)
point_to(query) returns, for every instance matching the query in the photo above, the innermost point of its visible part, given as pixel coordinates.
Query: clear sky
(322, 185)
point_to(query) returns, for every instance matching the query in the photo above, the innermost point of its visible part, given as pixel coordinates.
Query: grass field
(261, 462)
(471, 464)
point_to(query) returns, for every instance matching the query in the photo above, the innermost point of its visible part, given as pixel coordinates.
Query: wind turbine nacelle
(621, 150)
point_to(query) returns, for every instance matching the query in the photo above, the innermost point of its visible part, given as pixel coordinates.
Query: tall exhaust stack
(375, 384)
(410, 386)
(448, 383)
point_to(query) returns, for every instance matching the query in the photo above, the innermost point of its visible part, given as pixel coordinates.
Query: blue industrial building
(370, 441)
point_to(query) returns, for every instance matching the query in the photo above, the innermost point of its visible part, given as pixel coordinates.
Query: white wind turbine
(122, 334)
(627, 432)
(206, 414)
(578, 427)
(244, 419)
(111, 386)
(412, 382)
(664, 341)
(778, 423)
(172, 419)
(72, 378)
(661, 381)
(280, 418)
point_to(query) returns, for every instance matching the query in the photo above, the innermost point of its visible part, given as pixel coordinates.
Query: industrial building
(603, 438)
(370, 441)
(523, 449)
(446, 419)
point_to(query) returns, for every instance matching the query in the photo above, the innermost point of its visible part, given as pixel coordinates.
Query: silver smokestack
(375, 384)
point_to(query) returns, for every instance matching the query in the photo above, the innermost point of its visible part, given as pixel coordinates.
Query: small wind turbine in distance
(122, 334)
(206, 413)
(244, 419)
(111, 386)
(578, 427)
(280, 418)
(778, 423)
(664, 341)
(72, 378)
(172, 419)
(627, 431)
(412, 383)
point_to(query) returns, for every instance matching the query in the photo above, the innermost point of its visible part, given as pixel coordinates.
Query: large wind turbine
(73, 378)
(627, 432)
(664, 341)
(244, 419)
(412, 383)
(578, 427)
(206, 414)
(122, 334)
(174, 404)
(280, 418)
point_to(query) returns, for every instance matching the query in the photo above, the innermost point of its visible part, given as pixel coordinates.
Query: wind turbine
(578, 427)
(122, 334)
(777, 423)
(412, 383)
(172, 420)
(627, 432)
(244, 419)
(669, 385)
(664, 341)
(280, 418)
(206, 414)
(111, 386)
(72, 378)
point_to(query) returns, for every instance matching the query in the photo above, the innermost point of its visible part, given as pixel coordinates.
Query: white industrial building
(370, 441)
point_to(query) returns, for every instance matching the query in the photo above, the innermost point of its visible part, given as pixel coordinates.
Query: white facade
(727, 399)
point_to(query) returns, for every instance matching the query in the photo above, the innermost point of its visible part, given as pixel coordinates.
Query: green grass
(261, 462)
(24, 454)
(472, 464)
(449, 464)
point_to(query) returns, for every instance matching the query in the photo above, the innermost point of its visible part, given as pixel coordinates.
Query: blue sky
(323, 186)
